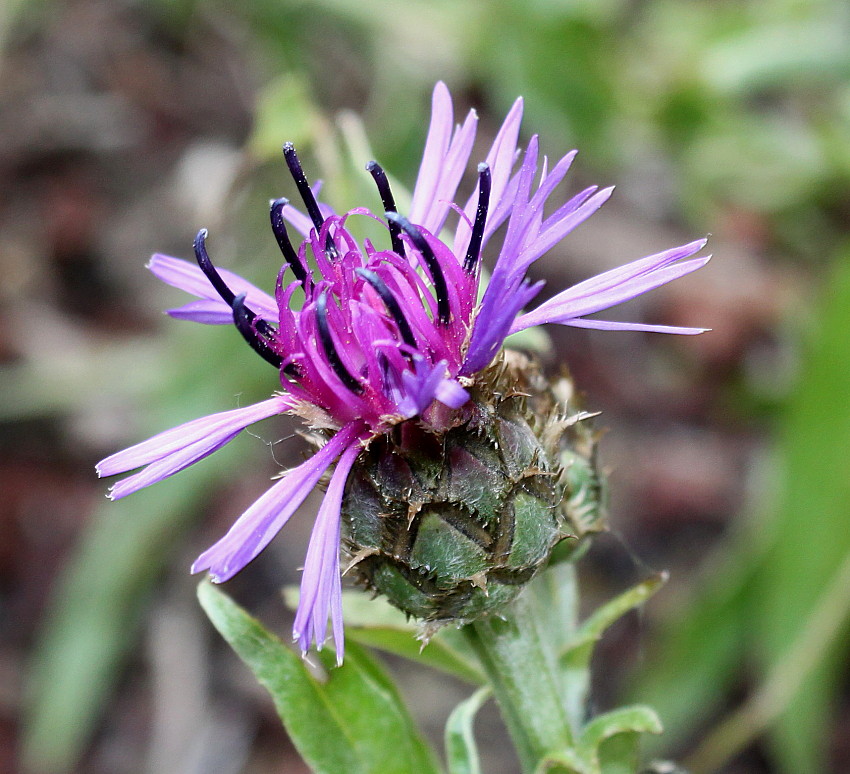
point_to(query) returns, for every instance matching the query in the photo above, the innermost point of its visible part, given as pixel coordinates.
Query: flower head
(385, 333)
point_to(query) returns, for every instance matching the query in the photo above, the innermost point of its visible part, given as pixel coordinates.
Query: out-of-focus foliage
(722, 111)
(762, 599)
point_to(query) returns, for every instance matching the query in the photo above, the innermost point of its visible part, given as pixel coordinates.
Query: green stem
(521, 665)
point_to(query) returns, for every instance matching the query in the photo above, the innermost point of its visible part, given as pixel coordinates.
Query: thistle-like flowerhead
(393, 335)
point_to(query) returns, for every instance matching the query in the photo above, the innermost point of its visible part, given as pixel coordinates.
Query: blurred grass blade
(461, 750)
(816, 636)
(700, 650)
(94, 617)
(96, 613)
(812, 529)
(760, 598)
(353, 722)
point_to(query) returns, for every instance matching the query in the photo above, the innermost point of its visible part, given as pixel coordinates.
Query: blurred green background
(127, 126)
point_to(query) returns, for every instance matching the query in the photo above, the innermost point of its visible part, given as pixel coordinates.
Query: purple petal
(501, 159)
(572, 303)
(554, 233)
(436, 146)
(176, 449)
(451, 394)
(492, 326)
(452, 167)
(321, 591)
(204, 311)
(298, 220)
(606, 325)
(255, 528)
(188, 277)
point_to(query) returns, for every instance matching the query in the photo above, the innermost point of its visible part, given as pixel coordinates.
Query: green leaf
(576, 654)
(608, 744)
(620, 754)
(624, 720)
(351, 722)
(594, 627)
(439, 653)
(563, 762)
(461, 750)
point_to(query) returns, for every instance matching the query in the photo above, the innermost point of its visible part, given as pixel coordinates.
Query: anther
(436, 271)
(473, 252)
(391, 302)
(282, 237)
(330, 350)
(247, 324)
(387, 199)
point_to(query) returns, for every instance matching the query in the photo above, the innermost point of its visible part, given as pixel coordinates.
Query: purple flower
(385, 332)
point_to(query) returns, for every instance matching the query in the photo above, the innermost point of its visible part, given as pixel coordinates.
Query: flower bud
(450, 522)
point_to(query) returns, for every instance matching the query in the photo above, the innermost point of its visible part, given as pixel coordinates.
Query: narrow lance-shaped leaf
(353, 722)
(461, 749)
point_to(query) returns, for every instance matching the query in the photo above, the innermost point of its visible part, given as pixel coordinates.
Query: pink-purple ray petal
(321, 592)
(255, 528)
(584, 299)
(436, 147)
(611, 325)
(188, 277)
(176, 449)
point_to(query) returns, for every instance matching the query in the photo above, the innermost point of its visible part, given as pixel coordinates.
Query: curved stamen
(473, 252)
(437, 277)
(247, 324)
(391, 302)
(387, 199)
(307, 195)
(245, 319)
(282, 237)
(206, 265)
(330, 350)
(303, 186)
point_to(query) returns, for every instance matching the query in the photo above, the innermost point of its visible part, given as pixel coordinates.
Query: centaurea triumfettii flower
(387, 334)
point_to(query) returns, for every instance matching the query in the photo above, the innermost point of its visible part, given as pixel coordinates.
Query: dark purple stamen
(303, 186)
(391, 303)
(209, 270)
(248, 325)
(473, 252)
(330, 350)
(387, 199)
(246, 321)
(436, 271)
(280, 233)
